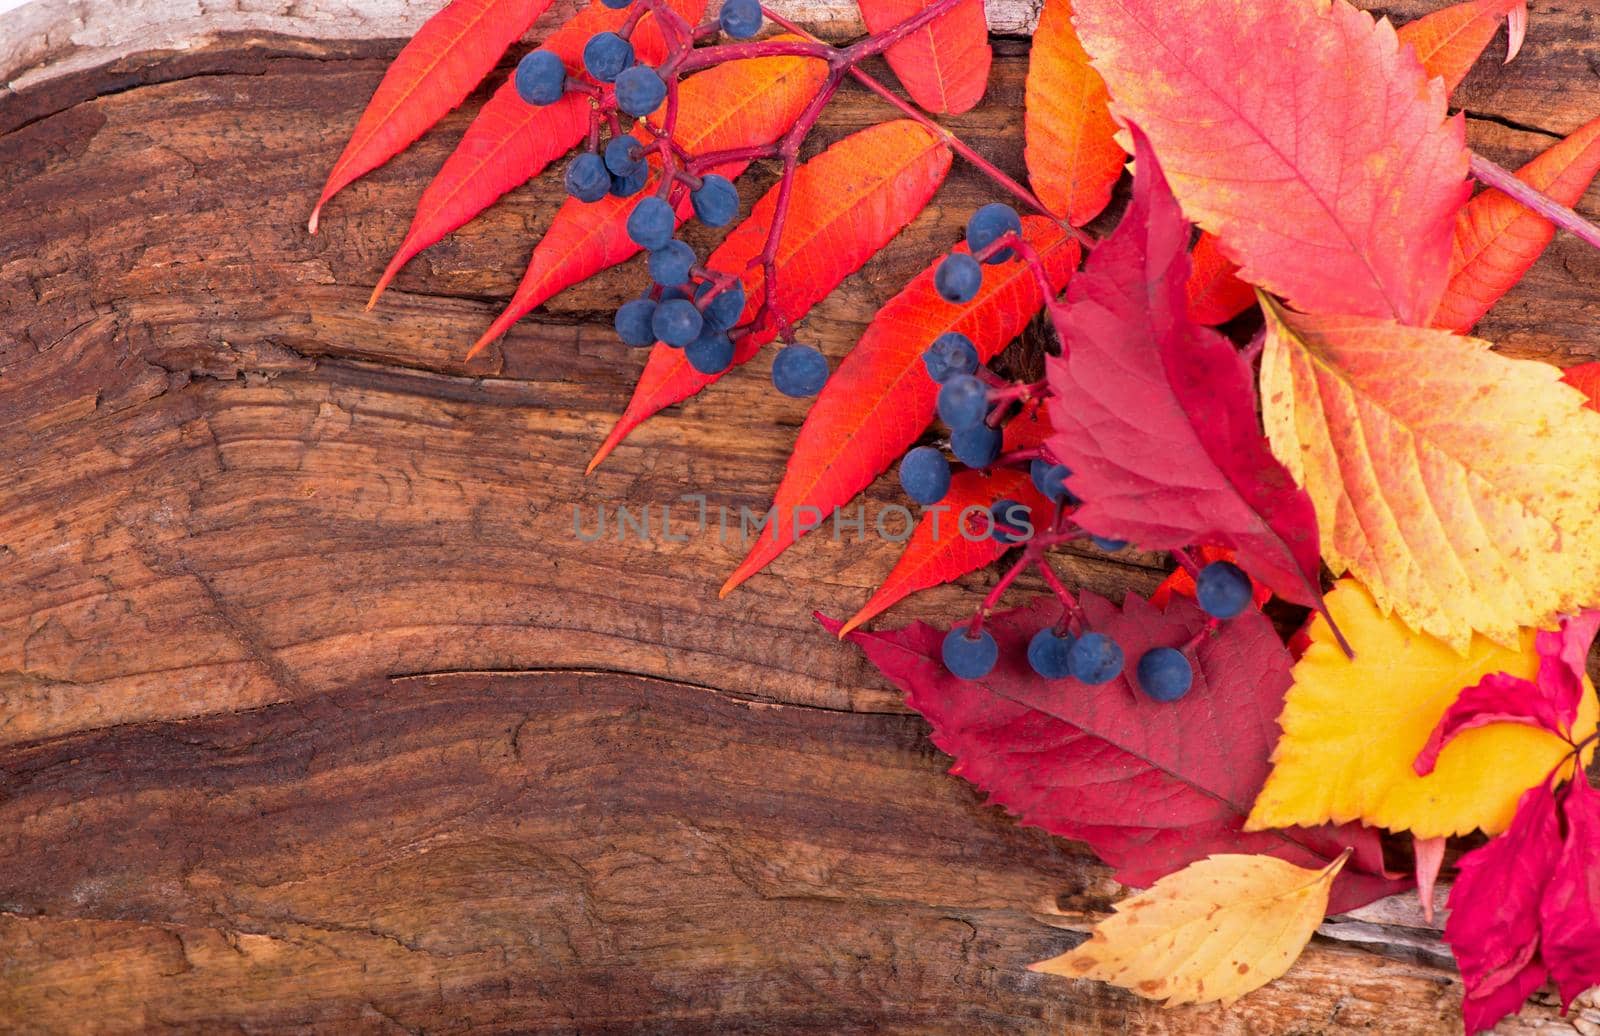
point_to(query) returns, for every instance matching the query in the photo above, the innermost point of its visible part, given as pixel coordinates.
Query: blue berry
(633, 322)
(606, 55)
(711, 353)
(1164, 674)
(1009, 522)
(1222, 589)
(588, 179)
(541, 78)
(676, 322)
(741, 19)
(950, 354)
(988, 225)
(1107, 544)
(958, 278)
(622, 156)
(628, 186)
(616, 5)
(723, 311)
(799, 371)
(963, 402)
(1051, 480)
(976, 447)
(1047, 654)
(670, 264)
(651, 223)
(970, 658)
(1095, 659)
(925, 475)
(640, 91)
(715, 202)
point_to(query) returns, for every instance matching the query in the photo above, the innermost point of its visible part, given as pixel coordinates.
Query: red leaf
(1551, 702)
(1149, 786)
(881, 398)
(1156, 415)
(734, 104)
(433, 73)
(1180, 582)
(1072, 153)
(1216, 294)
(512, 141)
(1497, 240)
(944, 66)
(938, 550)
(845, 204)
(1449, 41)
(1585, 377)
(1305, 138)
(1493, 928)
(1570, 911)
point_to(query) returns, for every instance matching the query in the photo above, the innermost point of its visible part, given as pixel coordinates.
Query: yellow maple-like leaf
(1215, 930)
(1462, 487)
(1353, 726)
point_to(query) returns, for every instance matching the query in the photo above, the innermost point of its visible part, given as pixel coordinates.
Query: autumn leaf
(1216, 930)
(943, 66)
(938, 551)
(1585, 377)
(1569, 909)
(1149, 786)
(511, 140)
(1497, 240)
(1156, 416)
(845, 204)
(431, 75)
(731, 105)
(1331, 176)
(1071, 147)
(1449, 41)
(1216, 294)
(1460, 486)
(1353, 726)
(881, 399)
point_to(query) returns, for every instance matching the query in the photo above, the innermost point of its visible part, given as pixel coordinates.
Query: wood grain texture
(242, 520)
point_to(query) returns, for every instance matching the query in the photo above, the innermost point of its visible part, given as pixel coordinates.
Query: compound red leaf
(1072, 153)
(944, 66)
(512, 141)
(1301, 134)
(881, 398)
(1151, 787)
(1449, 41)
(1156, 416)
(845, 204)
(1497, 240)
(433, 73)
(1216, 294)
(1569, 913)
(734, 104)
(1493, 928)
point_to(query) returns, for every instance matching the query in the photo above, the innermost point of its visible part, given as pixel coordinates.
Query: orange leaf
(881, 398)
(433, 73)
(735, 104)
(1586, 379)
(1449, 42)
(1072, 153)
(1302, 135)
(845, 204)
(512, 141)
(943, 66)
(1497, 240)
(1216, 294)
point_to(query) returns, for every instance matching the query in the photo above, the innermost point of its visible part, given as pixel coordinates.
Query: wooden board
(313, 709)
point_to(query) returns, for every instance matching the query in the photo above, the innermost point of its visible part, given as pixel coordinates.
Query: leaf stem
(1505, 181)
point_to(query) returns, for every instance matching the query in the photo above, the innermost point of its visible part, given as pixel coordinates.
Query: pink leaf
(1570, 911)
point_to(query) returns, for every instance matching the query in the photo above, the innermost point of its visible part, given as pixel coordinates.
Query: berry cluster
(687, 306)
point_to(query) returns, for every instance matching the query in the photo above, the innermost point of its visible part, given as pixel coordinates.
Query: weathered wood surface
(313, 712)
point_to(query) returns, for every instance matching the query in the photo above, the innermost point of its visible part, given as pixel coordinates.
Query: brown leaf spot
(1243, 968)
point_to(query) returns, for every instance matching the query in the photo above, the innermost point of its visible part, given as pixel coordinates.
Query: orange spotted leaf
(1072, 152)
(433, 73)
(881, 398)
(1449, 41)
(845, 204)
(943, 66)
(1497, 240)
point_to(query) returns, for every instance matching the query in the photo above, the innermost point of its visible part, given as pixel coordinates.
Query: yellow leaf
(1462, 487)
(1352, 727)
(1215, 930)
